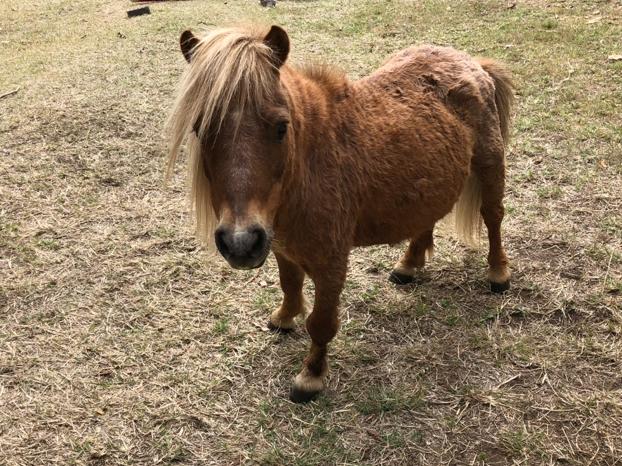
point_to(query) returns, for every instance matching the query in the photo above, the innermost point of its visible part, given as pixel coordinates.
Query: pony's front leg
(322, 325)
(292, 278)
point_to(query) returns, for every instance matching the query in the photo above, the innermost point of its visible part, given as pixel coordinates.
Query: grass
(120, 343)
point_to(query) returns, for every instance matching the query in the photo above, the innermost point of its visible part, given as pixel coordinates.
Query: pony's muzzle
(243, 249)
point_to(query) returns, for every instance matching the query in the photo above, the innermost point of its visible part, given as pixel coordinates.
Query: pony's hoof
(275, 329)
(307, 385)
(301, 396)
(500, 287)
(400, 278)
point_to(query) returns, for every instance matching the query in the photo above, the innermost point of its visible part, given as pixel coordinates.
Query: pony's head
(233, 112)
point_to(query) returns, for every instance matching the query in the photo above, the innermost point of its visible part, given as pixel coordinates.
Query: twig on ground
(608, 268)
(505, 382)
(14, 91)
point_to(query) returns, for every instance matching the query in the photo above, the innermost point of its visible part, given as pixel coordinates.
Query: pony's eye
(281, 131)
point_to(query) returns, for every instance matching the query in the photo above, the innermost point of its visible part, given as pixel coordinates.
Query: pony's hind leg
(492, 181)
(292, 278)
(413, 259)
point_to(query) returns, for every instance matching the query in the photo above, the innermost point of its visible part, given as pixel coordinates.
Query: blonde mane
(231, 70)
(331, 78)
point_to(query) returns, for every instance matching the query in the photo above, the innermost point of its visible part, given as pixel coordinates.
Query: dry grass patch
(121, 344)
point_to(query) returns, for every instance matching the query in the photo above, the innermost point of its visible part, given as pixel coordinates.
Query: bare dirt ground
(121, 343)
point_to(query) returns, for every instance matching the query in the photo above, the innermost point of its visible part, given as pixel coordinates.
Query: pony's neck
(315, 95)
(317, 113)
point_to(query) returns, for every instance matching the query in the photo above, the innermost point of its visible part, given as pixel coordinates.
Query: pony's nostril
(258, 240)
(221, 242)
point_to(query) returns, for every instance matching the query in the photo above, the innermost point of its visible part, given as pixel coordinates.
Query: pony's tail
(467, 215)
(504, 93)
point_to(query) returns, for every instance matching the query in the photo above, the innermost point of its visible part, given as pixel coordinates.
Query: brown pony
(308, 164)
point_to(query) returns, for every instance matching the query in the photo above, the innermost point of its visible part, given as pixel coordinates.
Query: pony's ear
(278, 42)
(188, 42)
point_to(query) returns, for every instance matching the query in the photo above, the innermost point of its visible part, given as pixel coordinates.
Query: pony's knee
(322, 329)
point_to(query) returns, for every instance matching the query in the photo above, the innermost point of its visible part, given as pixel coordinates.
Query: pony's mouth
(248, 263)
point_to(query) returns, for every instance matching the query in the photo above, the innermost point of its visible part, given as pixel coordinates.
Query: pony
(305, 163)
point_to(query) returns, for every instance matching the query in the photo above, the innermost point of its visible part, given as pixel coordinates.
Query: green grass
(383, 401)
(121, 342)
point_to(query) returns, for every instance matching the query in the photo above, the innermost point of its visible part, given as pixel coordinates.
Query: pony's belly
(384, 234)
(407, 212)
(394, 226)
